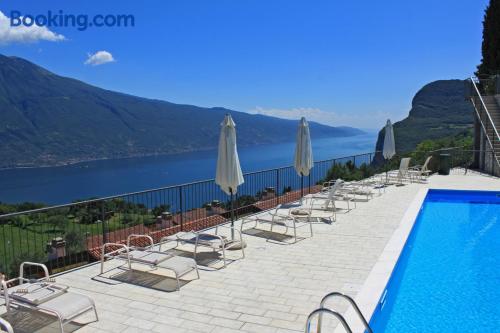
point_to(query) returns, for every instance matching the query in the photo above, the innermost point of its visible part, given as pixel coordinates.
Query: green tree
(128, 218)
(75, 242)
(156, 211)
(490, 62)
(58, 222)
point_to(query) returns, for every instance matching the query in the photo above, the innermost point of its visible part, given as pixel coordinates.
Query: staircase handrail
(486, 110)
(495, 157)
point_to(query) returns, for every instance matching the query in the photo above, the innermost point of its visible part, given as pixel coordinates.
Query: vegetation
(490, 62)
(12, 208)
(349, 172)
(25, 237)
(463, 140)
(75, 242)
(158, 210)
(462, 154)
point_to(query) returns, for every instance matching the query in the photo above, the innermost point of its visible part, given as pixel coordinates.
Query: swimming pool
(447, 278)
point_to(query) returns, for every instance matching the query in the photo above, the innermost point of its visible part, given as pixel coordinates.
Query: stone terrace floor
(276, 286)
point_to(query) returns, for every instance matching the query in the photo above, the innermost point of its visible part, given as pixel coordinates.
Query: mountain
(46, 119)
(438, 110)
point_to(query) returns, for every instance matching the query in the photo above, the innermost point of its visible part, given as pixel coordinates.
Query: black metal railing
(70, 235)
(467, 159)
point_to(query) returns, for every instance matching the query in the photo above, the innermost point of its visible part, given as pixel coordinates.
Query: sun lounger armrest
(135, 236)
(121, 248)
(4, 291)
(29, 263)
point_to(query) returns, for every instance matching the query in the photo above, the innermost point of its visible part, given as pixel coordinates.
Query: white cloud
(99, 58)
(373, 119)
(24, 34)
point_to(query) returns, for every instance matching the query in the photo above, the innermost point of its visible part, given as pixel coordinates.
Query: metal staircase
(487, 111)
(494, 111)
(322, 310)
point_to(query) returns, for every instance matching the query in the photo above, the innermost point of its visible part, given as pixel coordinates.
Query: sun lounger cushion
(147, 257)
(68, 305)
(203, 239)
(185, 236)
(180, 265)
(36, 293)
(207, 238)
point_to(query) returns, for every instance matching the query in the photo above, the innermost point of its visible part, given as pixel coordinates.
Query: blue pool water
(448, 276)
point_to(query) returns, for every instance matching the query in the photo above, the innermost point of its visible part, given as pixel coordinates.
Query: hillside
(438, 110)
(46, 119)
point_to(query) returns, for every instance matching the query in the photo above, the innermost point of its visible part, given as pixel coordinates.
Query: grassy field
(25, 238)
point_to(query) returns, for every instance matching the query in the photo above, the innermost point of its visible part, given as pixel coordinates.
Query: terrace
(275, 286)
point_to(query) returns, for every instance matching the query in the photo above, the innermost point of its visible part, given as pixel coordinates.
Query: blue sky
(338, 62)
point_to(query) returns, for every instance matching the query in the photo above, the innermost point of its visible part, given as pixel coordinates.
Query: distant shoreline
(85, 160)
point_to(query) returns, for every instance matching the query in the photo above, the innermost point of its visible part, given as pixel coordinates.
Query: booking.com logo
(60, 19)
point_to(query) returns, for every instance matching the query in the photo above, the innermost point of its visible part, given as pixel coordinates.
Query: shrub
(156, 211)
(13, 268)
(75, 242)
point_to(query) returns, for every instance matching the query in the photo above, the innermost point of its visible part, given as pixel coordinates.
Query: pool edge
(376, 282)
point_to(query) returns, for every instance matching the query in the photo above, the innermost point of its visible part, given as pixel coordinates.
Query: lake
(58, 185)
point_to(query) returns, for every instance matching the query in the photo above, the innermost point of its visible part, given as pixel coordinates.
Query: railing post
(181, 208)
(309, 182)
(104, 234)
(277, 186)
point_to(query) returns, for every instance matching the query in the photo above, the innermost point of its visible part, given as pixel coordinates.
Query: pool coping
(369, 296)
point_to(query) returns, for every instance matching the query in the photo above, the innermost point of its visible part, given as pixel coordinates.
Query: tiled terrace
(276, 286)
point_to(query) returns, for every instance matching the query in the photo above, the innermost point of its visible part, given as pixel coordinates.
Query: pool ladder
(321, 310)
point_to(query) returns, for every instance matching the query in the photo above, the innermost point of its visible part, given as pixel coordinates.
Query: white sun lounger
(214, 241)
(401, 174)
(290, 218)
(331, 192)
(370, 186)
(180, 266)
(45, 296)
(361, 189)
(420, 172)
(375, 182)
